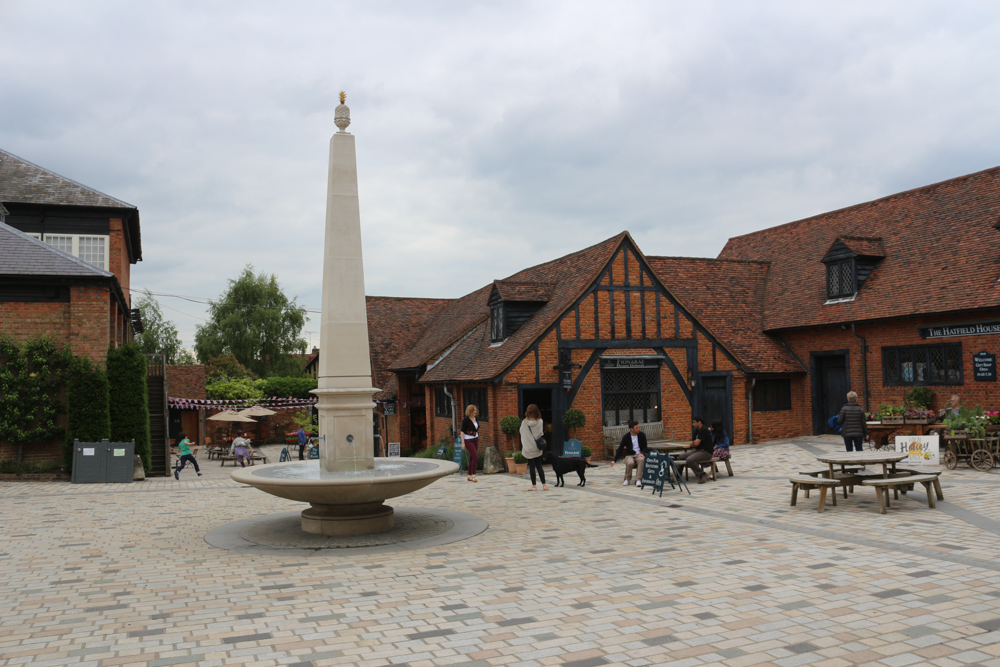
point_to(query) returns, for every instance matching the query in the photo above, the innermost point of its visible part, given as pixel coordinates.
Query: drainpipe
(753, 382)
(454, 410)
(864, 362)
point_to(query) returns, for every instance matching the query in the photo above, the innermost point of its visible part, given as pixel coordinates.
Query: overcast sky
(490, 136)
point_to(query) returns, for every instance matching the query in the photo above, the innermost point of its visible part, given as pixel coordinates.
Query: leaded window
(769, 395)
(442, 404)
(840, 279)
(630, 394)
(477, 396)
(496, 322)
(922, 364)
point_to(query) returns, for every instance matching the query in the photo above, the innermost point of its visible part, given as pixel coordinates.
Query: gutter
(454, 410)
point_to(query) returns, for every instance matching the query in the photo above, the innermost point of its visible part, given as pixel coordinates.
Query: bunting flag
(274, 403)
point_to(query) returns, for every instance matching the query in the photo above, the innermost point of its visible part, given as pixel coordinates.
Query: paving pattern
(729, 575)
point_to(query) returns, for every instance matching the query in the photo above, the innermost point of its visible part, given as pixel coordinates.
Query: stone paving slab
(731, 575)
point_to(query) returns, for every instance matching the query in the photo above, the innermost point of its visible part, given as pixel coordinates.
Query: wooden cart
(978, 453)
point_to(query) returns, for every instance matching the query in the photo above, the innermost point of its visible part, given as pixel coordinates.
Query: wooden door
(716, 402)
(831, 383)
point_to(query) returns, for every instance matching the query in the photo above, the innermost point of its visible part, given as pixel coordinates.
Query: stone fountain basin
(304, 481)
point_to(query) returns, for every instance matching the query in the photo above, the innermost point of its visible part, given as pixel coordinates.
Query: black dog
(561, 466)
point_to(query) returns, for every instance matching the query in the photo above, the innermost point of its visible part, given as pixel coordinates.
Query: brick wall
(186, 381)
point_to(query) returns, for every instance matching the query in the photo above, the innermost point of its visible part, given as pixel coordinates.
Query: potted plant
(573, 419)
(918, 416)
(890, 414)
(585, 452)
(510, 426)
(520, 463)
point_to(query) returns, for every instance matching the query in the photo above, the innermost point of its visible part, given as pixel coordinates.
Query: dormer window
(849, 262)
(512, 304)
(840, 279)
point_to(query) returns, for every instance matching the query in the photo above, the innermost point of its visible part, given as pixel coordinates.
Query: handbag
(541, 442)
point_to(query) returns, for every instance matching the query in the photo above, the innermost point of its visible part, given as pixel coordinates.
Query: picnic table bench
(254, 457)
(901, 483)
(614, 434)
(807, 482)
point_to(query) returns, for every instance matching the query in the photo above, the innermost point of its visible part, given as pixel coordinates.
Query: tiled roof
(942, 253)
(461, 328)
(23, 255)
(727, 298)
(510, 290)
(27, 183)
(864, 247)
(394, 326)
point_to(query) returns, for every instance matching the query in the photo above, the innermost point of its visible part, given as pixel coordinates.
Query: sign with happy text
(922, 449)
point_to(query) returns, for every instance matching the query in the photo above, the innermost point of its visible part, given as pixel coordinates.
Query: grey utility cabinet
(103, 462)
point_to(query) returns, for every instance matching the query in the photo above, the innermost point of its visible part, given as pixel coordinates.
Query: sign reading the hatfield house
(977, 329)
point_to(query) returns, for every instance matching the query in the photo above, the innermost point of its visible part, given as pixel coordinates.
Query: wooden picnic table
(887, 459)
(670, 446)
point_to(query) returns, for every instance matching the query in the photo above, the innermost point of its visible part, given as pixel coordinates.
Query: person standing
(700, 451)
(853, 420)
(470, 440)
(532, 428)
(634, 448)
(302, 443)
(184, 446)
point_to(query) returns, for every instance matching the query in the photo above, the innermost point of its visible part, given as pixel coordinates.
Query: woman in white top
(532, 428)
(470, 439)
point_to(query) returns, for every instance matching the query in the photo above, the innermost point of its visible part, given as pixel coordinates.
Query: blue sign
(457, 456)
(572, 449)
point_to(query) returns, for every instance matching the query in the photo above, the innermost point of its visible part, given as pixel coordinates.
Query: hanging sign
(630, 362)
(985, 366)
(948, 330)
(389, 408)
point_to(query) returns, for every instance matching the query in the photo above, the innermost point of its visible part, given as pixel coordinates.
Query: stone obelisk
(345, 376)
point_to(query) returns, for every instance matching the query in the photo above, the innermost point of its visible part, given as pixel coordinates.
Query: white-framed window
(91, 249)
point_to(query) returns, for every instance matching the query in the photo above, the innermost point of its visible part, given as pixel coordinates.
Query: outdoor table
(864, 458)
(670, 446)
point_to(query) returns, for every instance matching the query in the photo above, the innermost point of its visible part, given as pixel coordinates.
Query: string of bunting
(273, 403)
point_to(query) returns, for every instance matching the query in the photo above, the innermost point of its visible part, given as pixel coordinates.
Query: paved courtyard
(731, 575)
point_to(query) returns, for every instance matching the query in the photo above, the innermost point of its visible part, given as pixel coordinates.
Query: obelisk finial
(342, 115)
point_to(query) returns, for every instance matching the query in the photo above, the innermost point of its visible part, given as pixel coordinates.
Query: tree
(256, 323)
(31, 377)
(158, 334)
(88, 414)
(225, 368)
(128, 399)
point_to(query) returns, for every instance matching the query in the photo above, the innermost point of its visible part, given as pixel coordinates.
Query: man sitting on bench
(633, 447)
(701, 449)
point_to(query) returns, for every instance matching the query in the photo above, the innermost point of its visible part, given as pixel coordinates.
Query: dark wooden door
(717, 400)
(831, 384)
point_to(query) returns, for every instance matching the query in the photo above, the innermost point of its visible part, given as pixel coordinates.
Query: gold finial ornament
(342, 115)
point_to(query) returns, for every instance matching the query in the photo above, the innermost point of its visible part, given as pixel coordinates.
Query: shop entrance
(830, 384)
(541, 395)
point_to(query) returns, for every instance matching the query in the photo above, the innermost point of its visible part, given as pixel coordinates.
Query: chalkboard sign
(457, 457)
(389, 408)
(393, 449)
(572, 449)
(655, 471)
(985, 366)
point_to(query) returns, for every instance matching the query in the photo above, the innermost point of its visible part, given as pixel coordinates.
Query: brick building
(66, 252)
(768, 337)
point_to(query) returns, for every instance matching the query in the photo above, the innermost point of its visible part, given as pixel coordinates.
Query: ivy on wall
(31, 376)
(129, 400)
(88, 414)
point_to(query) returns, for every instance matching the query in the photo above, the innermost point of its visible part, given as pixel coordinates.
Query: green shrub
(30, 379)
(12, 467)
(919, 397)
(406, 452)
(232, 390)
(519, 458)
(88, 414)
(129, 400)
(574, 418)
(510, 425)
(284, 387)
(585, 451)
(449, 454)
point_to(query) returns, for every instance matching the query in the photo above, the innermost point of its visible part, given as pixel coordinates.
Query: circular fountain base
(342, 520)
(350, 502)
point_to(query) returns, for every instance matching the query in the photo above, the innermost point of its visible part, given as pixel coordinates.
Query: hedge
(129, 401)
(88, 414)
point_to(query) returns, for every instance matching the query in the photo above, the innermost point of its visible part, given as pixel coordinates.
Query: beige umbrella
(256, 411)
(230, 416)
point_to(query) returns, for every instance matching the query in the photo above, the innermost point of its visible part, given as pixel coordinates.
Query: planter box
(993, 428)
(874, 423)
(894, 419)
(521, 468)
(922, 420)
(511, 466)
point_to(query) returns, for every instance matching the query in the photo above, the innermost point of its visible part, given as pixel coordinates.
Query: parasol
(256, 411)
(230, 416)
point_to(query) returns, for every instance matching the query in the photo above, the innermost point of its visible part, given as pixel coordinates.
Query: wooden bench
(255, 457)
(613, 435)
(923, 471)
(882, 487)
(849, 477)
(807, 482)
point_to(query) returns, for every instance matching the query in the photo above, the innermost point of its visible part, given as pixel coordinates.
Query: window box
(921, 420)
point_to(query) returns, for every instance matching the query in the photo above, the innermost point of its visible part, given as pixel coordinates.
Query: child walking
(184, 445)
